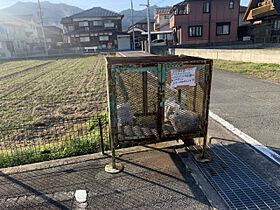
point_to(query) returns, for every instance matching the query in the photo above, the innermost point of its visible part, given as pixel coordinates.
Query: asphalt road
(252, 105)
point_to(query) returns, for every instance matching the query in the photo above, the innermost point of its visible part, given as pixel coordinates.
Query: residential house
(21, 34)
(162, 16)
(244, 27)
(54, 36)
(209, 21)
(242, 11)
(265, 17)
(141, 27)
(95, 28)
(5, 44)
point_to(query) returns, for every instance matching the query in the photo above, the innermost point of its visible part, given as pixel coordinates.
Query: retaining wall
(255, 56)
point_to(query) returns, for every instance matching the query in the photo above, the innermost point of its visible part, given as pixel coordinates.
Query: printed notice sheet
(183, 77)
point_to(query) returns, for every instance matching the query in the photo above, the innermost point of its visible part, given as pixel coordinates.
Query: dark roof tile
(163, 10)
(96, 12)
(66, 20)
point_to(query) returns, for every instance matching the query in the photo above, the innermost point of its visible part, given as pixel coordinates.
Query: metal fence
(35, 143)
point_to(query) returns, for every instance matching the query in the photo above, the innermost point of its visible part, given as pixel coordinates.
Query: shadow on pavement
(155, 178)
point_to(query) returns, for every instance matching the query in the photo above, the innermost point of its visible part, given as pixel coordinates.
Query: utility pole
(42, 27)
(149, 27)
(132, 23)
(148, 23)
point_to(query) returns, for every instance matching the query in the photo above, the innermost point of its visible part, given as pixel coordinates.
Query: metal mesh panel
(145, 108)
(136, 105)
(191, 106)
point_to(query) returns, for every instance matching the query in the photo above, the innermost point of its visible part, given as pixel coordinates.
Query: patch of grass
(243, 71)
(70, 148)
(268, 71)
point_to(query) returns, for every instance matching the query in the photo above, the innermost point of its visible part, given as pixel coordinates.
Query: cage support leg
(114, 167)
(179, 96)
(203, 157)
(145, 92)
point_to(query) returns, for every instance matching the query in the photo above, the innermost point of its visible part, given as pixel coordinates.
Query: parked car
(158, 42)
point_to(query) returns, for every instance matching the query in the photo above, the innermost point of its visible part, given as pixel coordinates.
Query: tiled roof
(163, 10)
(66, 20)
(96, 12)
(52, 29)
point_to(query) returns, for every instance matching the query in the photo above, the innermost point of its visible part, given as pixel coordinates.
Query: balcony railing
(262, 10)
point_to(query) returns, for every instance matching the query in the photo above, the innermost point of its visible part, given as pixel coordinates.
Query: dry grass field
(268, 71)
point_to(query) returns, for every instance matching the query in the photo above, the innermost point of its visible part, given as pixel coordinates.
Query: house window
(206, 7)
(166, 17)
(187, 9)
(86, 28)
(195, 31)
(276, 25)
(84, 39)
(109, 25)
(223, 28)
(70, 28)
(103, 38)
(231, 4)
(85, 23)
(97, 23)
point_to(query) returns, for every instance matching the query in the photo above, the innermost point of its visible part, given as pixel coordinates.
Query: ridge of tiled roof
(96, 12)
(66, 20)
(163, 10)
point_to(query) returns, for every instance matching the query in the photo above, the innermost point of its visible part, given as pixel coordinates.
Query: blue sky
(115, 5)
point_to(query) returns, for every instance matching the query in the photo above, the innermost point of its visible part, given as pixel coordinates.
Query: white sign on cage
(183, 77)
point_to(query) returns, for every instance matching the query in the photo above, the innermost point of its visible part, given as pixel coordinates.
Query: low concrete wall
(255, 56)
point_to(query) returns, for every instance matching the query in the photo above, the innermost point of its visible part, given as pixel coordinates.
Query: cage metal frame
(160, 64)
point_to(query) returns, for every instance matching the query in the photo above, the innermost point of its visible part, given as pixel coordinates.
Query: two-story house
(21, 34)
(208, 21)
(6, 46)
(162, 16)
(97, 28)
(54, 36)
(141, 27)
(265, 17)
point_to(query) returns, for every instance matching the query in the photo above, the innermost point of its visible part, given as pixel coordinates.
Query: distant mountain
(138, 15)
(52, 13)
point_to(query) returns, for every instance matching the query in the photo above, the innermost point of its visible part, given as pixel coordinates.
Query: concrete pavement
(250, 104)
(153, 178)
